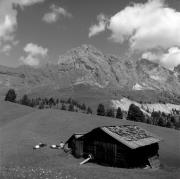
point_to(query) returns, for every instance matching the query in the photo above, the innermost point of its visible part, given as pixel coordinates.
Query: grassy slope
(10, 111)
(52, 126)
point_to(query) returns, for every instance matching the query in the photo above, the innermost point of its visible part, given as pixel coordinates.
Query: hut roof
(130, 135)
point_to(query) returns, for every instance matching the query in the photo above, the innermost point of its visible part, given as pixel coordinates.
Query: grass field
(25, 129)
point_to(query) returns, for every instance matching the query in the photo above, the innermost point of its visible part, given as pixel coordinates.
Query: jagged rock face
(88, 66)
(85, 65)
(157, 77)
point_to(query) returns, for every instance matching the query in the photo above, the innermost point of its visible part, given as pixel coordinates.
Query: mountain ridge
(85, 65)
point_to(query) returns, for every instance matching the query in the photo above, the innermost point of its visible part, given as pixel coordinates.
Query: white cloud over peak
(8, 17)
(146, 26)
(169, 59)
(152, 28)
(55, 13)
(35, 55)
(100, 27)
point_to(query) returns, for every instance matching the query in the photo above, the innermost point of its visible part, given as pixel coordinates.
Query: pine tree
(51, 102)
(119, 113)
(41, 106)
(83, 107)
(10, 96)
(69, 101)
(25, 100)
(71, 107)
(161, 122)
(63, 107)
(101, 110)
(135, 114)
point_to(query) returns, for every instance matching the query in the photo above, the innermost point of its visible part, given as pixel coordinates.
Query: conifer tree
(101, 110)
(10, 96)
(119, 113)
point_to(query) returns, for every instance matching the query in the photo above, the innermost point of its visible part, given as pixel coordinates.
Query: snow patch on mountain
(138, 87)
(143, 86)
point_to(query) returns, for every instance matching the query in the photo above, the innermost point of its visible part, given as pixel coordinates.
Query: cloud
(55, 13)
(34, 49)
(35, 55)
(169, 59)
(100, 27)
(6, 49)
(28, 2)
(146, 26)
(8, 17)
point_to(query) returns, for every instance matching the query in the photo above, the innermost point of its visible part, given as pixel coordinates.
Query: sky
(33, 32)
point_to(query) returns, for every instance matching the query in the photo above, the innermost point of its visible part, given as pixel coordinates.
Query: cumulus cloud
(169, 59)
(152, 28)
(35, 55)
(146, 26)
(55, 13)
(100, 27)
(8, 17)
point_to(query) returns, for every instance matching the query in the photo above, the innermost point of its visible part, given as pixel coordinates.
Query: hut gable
(131, 136)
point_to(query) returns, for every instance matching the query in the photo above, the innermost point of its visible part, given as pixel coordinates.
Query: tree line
(134, 113)
(43, 103)
(155, 118)
(110, 112)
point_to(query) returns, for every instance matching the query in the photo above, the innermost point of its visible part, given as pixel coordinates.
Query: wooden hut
(126, 146)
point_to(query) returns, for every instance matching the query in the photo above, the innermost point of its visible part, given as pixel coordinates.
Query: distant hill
(85, 67)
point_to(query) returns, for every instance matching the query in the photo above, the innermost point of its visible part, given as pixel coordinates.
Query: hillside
(124, 104)
(11, 111)
(52, 126)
